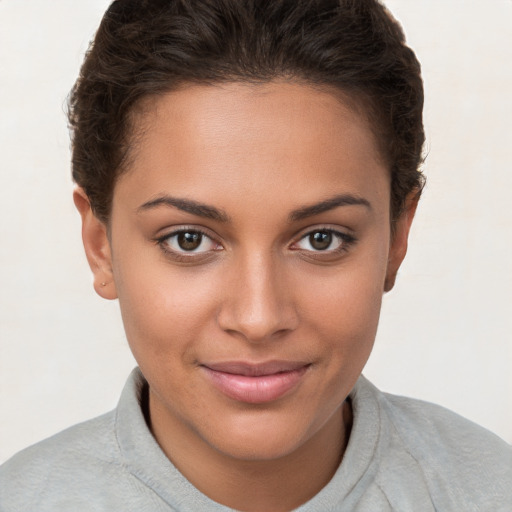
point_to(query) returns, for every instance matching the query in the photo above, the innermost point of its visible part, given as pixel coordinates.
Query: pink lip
(255, 383)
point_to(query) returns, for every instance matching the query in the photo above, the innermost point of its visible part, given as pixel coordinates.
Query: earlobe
(398, 246)
(97, 246)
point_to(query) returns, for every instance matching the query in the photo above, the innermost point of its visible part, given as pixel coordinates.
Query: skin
(257, 289)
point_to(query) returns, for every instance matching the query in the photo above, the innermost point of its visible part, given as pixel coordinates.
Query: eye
(324, 240)
(188, 241)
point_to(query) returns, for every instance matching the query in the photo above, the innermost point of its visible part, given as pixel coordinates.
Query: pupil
(320, 240)
(189, 241)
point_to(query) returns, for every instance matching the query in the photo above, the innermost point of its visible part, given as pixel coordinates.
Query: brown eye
(328, 241)
(320, 240)
(189, 241)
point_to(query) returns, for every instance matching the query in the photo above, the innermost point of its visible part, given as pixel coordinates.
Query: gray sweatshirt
(402, 455)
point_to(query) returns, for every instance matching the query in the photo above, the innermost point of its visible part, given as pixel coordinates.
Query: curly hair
(150, 47)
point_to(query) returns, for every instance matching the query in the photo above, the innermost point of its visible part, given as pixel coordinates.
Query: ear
(97, 246)
(400, 236)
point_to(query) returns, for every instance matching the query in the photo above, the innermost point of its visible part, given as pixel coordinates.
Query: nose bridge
(260, 304)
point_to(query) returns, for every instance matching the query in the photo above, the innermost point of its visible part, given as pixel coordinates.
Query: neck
(275, 485)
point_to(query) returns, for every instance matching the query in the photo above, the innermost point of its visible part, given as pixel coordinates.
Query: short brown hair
(149, 47)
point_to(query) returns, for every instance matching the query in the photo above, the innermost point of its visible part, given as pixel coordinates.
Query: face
(249, 246)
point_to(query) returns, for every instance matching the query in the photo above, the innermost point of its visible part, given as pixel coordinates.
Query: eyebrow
(328, 204)
(186, 205)
(210, 212)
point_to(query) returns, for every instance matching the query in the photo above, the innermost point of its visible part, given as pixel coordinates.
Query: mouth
(255, 383)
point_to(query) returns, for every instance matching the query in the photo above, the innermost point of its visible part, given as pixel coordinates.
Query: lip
(255, 383)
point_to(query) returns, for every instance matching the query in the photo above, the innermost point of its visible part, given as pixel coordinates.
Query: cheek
(349, 298)
(164, 308)
(345, 309)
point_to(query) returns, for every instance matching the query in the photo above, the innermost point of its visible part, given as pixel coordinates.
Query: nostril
(255, 328)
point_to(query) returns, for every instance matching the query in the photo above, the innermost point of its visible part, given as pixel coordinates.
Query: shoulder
(59, 462)
(450, 436)
(461, 462)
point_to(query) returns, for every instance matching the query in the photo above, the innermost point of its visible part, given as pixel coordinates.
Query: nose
(259, 303)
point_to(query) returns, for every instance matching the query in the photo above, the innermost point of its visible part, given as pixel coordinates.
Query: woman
(247, 174)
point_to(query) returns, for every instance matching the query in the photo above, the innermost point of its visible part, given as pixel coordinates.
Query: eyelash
(185, 256)
(346, 241)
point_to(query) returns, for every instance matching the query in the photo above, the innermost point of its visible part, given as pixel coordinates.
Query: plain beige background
(446, 329)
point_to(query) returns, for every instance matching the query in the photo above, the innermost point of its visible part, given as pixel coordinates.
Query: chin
(264, 435)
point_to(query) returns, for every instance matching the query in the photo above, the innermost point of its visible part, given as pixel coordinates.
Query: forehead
(298, 139)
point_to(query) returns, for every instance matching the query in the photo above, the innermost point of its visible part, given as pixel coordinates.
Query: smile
(258, 383)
